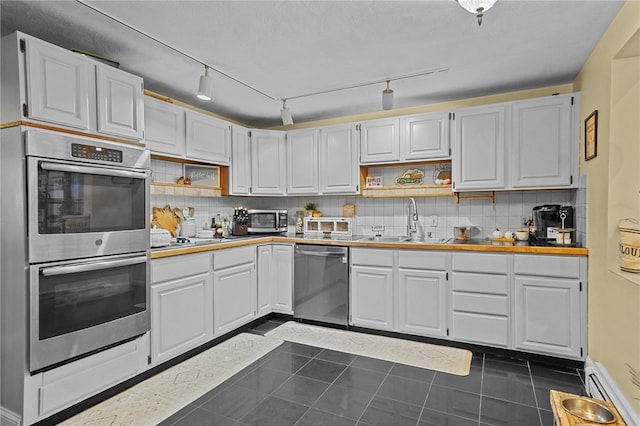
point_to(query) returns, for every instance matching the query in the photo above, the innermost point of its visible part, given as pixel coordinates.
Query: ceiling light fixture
(205, 88)
(285, 112)
(477, 7)
(387, 97)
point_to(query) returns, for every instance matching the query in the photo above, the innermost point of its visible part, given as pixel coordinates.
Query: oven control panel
(96, 153)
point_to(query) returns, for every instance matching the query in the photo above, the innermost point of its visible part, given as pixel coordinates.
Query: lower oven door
(80, 307)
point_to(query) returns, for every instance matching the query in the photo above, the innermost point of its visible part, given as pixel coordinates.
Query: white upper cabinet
(478, 142)
(240, 161)
(120, 102)
(57, 85)
(542, 140)
(207, 138)
(164, 127)
(380, 141)
(47, 83)
(302, 162)
(339, 169)
(424, 137)
(268, 158)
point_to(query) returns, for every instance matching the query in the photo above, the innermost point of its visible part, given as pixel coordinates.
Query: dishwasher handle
(320, 253)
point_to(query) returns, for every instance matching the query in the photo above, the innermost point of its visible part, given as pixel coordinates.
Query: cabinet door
(234, 297)
(478, 160)
(302, 162)
(547, 316)
(422, 302)
(372, 298)
(240, 161)
(265, 278)
(181, 316)
(339, 168)
(208, 138)
(542, 139)
(380, 141)
(268, 171)
(425, 137)
(57, 85)
(282, 283)
(120, 102)
(164, 130)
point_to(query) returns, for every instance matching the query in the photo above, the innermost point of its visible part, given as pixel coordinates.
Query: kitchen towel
(423, 355)
(155, 399)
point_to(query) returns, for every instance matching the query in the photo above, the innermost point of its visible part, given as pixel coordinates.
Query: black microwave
(266, 221)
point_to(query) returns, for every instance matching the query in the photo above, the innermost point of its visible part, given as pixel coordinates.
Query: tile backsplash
(509, 212)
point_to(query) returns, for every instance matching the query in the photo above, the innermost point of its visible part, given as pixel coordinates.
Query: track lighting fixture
(477, 7)
(285, 112)
(205, 88)
(387, 97)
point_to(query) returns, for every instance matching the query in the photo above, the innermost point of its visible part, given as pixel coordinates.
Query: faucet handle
(378, 229)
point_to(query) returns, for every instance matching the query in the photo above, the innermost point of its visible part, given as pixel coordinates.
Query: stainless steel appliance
(86, 197)
(266, 221)
(88, 245)
(548, 218)
(321, 283)
(77, 307)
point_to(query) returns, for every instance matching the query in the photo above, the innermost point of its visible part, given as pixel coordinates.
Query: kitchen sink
(426, 240)
(381, 239)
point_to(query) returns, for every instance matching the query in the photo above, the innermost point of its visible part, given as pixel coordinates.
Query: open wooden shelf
(408, 191)
(162, 188)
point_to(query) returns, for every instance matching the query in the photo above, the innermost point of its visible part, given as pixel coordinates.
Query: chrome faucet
(412, 217)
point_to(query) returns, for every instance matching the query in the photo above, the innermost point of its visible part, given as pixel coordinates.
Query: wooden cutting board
(165, 218)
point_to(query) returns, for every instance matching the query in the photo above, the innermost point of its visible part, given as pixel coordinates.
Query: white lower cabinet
(275, 279)
(181, 305)
(234, 288)
(422, 296)
(550, 305)
(480, 298)
(372, 288)
(57, 389)
(400, 290)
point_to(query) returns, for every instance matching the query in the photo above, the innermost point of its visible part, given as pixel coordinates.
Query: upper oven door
(79, 210)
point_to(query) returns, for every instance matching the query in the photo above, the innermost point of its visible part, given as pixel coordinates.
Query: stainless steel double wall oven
(88, 243)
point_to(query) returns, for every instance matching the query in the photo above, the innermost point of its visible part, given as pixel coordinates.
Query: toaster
(160, 237)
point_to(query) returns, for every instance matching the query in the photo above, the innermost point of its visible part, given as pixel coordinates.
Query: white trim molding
(600, 385)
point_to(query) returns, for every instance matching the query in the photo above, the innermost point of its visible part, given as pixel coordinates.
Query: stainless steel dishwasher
(321, 283)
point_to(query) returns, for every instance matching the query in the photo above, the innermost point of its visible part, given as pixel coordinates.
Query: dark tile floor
(303, 385)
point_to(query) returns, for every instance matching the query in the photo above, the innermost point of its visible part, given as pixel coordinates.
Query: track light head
(285, 112)
(205, 88)
(387, 97)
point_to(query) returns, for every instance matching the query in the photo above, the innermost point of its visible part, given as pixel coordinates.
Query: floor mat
(423, 355)
(158, 397)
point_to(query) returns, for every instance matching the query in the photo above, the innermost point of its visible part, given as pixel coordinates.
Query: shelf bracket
(491, 196)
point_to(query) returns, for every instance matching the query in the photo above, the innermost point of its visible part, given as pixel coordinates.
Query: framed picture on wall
(591, 136)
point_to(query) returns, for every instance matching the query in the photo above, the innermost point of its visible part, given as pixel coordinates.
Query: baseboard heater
(600, 385)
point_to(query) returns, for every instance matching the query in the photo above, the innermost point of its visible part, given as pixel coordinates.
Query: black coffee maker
(548, 218)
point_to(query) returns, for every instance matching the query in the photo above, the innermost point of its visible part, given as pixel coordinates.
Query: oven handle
(92, 170)
(92, 266)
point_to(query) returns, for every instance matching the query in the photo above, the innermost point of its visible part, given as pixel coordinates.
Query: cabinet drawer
(481, 303)
(234, 256)
(372, 257)
(172, 268)
(78, 380)
(480, 283)
(480, 262)
(419, 259)
(547, 266)
(484, 329)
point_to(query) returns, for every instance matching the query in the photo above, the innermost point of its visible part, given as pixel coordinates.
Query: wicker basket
(629, 245)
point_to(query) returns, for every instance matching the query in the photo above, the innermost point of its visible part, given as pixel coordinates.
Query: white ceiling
(291, 48)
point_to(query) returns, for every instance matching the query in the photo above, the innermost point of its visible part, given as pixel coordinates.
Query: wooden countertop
(488, 246)
(563, 418)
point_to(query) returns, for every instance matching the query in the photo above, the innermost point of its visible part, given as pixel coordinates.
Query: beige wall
(610, 83)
